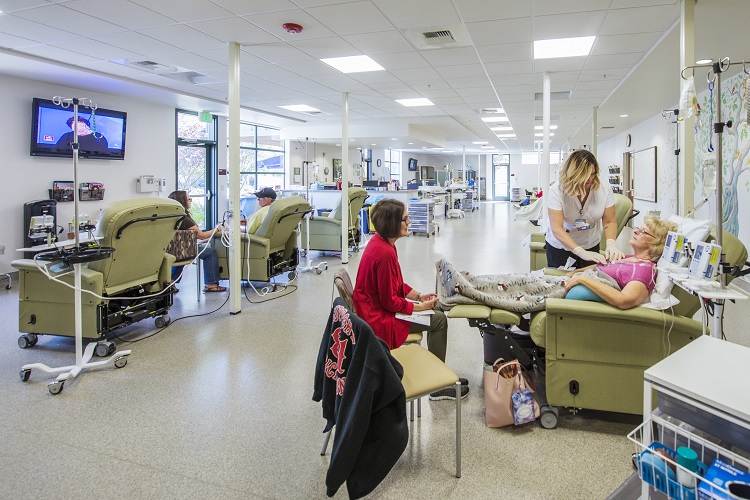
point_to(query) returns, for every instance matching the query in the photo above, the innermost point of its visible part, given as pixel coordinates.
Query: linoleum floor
(218, 406)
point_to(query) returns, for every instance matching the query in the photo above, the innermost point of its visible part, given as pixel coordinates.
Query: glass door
(196, 146)
(501, 177)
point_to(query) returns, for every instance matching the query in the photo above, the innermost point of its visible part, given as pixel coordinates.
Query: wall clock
(326, 171)
(628, 140)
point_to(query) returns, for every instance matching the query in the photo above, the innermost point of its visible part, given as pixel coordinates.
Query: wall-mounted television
(412, 164)
(99, 136)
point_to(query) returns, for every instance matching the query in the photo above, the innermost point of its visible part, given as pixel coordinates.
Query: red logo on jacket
(341, 336)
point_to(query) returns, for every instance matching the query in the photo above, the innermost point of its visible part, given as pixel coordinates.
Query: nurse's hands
(590, 256)
(613, 254)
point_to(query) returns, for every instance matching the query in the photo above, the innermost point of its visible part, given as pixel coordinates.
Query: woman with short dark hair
(207, 254)
(380, 291)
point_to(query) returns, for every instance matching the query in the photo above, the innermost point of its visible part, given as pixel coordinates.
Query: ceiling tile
(305, 86)
(500, 32)
(186, 10)
(184, 36)
(273, 23)
(356, 17)
(136, 42)
(419, 13)
(505, 52)
(235, 29)
(448, 57)
(613, 61)
(192, 61)
(483, 11)
(513, 68)
(466, 83)
(402, 60)
(641, 20)
(380, 43)
(618, 44)
(462, 71)
(221, 55)
(568, 25)
(545, 7)
(245, 7)
(9, 6)
(127, 14)
(58, 54)
(14, 42)
(12, 25)
(56, 15)
(438, 93)
(562, 64)
(322, 48)
(594, 75)
(407, 75)
(267, 71)
(438, 83)
(341, 83)
(96, 49)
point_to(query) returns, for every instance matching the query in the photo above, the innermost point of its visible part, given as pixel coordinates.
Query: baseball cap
(266, 193)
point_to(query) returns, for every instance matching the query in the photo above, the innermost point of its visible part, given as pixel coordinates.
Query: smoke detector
(293, 28)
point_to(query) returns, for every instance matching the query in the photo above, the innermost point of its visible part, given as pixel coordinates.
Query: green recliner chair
(325, 231)
(596, 353)
(272, 250)
(538, 255)
(139, 230)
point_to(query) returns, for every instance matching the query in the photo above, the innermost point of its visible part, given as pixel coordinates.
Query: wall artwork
(337, 171)
(643, 168)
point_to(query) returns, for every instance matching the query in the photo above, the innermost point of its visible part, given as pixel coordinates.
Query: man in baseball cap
(265, 197)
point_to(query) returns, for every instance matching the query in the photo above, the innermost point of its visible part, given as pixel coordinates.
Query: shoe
(215, 288)
(449, 393)
(463, 381)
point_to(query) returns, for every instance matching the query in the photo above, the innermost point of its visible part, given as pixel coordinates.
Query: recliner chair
(139, 231)
(623, 213)
(325, 232)
(272, 250)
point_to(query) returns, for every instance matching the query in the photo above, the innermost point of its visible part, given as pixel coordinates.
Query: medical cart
(422, 215)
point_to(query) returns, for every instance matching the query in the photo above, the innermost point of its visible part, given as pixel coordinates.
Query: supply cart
(469, 202)
(422, 215)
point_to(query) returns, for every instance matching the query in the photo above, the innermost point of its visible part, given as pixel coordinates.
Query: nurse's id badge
(582, 225)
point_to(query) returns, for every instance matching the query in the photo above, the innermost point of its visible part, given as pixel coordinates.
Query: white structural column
(545, 143)
(685, 135)
(345, 178)
(479, 178)
(235, 275)
(463, 166)
(594, 128)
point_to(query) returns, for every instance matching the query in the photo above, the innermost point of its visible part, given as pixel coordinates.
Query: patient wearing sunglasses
(624, 283)
(635, 274)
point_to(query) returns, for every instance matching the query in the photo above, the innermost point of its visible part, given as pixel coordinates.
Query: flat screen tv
(412, 164)
(99, 136)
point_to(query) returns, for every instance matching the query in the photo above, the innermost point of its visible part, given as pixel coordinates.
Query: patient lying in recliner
(624, 284)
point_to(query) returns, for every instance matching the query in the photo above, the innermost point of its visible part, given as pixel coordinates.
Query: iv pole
(306, 179)
(76, 256)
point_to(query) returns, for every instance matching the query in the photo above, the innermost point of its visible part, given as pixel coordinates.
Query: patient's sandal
(214, 288)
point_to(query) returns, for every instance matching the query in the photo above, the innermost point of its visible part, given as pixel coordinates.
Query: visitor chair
(423, 374)
(325, 231)
(128, 285)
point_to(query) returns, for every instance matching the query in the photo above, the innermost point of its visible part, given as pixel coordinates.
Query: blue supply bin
(364, 220)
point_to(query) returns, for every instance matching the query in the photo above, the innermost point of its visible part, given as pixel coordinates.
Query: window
(393, 164)
(196, 165)
(261, 159)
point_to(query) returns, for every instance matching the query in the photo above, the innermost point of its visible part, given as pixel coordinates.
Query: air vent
(439, 37)
(491, 111)
(191, 77)
(552, 118)
(608, 127)
(152, 66)
(553, 96)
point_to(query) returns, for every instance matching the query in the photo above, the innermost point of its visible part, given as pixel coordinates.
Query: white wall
(323, 155)
(149, 149)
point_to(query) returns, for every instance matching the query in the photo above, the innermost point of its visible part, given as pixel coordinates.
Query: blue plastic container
(659, 476)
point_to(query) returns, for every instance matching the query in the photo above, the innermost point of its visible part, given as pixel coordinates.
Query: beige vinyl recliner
(538, 254)
(272, 250)
(139, 231)
(325, 231)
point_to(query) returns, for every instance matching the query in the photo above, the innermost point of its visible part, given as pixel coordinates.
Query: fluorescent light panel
(301, 108)
(479, 142)
(541, 127)
(563, 47)
(501, 129)
(353, 64)
(411, 103)
(495, 119)
(551, 134)
(506, 136)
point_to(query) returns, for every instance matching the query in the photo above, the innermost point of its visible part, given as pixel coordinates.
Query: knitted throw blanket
(521, 293)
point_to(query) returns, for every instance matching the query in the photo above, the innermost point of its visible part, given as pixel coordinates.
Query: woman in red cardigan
(380, 291)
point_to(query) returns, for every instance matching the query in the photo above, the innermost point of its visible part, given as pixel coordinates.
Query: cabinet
(705, 399)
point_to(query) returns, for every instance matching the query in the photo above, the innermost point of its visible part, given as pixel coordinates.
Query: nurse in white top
(578, 205)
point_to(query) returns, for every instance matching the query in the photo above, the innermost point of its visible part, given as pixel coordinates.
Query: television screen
(412, 164)
(99, 136)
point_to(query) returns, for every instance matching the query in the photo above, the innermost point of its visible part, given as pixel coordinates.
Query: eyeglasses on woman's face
(406, 219)
(643, 230)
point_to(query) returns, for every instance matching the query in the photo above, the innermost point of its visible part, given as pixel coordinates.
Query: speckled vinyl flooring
(218, 406)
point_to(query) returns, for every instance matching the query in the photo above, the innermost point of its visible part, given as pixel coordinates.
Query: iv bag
(708, 174)
(689, 100)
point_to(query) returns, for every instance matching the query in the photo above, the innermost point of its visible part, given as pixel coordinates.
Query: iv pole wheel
(24, 374)
(24, 341)
(318, 270)
(548, 417)
(104, 348)
(121, 362)
(56, 387)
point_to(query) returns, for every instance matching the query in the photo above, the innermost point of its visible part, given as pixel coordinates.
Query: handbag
(501, 383)
(184, 245)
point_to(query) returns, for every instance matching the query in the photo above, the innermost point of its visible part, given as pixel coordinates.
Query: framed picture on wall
(337, 171)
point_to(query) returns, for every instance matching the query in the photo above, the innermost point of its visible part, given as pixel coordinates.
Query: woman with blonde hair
(578, 204)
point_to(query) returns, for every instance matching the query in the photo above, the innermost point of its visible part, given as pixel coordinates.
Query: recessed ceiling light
(338, 145)
(563, 47)
(393, 138)
(437, 148)
(495, 119)
(353, 64)
(419, 101)
(448, 151)
(424, 147)
(506, 136)
(373, 144)
(487, 147)
(542, 135)
(301, 108)
(411, 143)
(703, 61)
(623, 116)
(479, 142)
(501, 129)
(541, 127)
